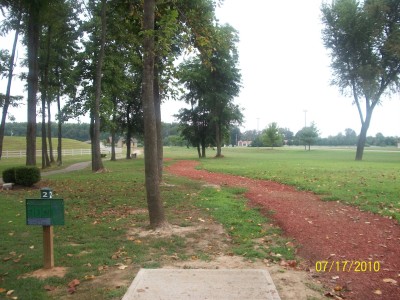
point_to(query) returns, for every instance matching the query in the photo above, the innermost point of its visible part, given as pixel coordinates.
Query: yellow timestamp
(347, 266)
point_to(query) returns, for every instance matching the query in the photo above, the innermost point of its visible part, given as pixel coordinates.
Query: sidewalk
(195, 284)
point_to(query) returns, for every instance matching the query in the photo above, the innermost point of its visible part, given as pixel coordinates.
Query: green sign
(45, 212)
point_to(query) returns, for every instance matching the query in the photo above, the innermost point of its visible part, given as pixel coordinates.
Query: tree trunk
(91, 132)
(218, 139)
(97, 163)
(45, 157)
(113, 156)
(362, 138)
(33, 47)
(198, 150)
(59, 131)
(44, 92)
(156, 210)
(203, 150)
(157, 108)
(49, 131)
(128, 143)
(128, 132)
(10, 75)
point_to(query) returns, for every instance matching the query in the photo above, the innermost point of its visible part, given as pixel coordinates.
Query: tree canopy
(363, 38)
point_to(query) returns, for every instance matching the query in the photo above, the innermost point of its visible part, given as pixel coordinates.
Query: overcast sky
(285, 72)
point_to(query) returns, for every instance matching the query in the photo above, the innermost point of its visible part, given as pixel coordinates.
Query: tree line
(114, 60)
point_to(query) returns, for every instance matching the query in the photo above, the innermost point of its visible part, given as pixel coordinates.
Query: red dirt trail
(325, 231)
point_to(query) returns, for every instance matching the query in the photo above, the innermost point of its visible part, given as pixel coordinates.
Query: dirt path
(327, 233)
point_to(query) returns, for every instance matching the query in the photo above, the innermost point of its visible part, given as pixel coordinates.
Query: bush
(9, 175)
(27, 176)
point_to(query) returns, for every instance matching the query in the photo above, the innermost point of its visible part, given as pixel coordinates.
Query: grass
(17, 143)
(104, 214)
(371, 184)
(245, 225)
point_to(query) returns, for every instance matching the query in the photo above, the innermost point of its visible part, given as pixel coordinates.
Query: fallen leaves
(390, 280)
(49, 288)
(377, 292)
(72, 286)
(121, 266)
(288, 263)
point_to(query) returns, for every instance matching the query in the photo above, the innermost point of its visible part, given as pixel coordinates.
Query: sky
(285, 72)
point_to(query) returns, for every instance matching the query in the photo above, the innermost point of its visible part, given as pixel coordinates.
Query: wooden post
(48, 248)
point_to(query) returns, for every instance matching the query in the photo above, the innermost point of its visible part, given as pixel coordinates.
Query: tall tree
(8, 99)
(154, 203)
(44, 95)
(97, 163)
(33, 34)
(364, 42)
(224, 81)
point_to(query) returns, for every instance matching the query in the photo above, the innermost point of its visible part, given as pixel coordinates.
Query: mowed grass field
(372, 184)
(17, 143)
(100, 244)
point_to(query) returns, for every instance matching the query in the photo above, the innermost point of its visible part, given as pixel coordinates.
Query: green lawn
(101, 211)
(105, 212)
(16, 143)
(372, 184)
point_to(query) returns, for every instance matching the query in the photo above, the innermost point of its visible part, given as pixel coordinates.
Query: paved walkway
(71, 168)
(199, 284)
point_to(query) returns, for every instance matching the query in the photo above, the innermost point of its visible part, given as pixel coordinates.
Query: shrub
(27, 176)
(9, 175)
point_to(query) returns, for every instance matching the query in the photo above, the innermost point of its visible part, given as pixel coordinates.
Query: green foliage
(23, 175)
(271, 136)
(363, 38)
(27, 175)
(9, 175)
(211, 88)
(308, 135)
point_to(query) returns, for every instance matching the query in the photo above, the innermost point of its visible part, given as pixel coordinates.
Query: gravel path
(328, 234)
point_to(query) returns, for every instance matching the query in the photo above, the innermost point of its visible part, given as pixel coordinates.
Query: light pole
(305, 118)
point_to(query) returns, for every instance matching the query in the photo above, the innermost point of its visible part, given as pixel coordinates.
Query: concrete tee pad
(176, 284)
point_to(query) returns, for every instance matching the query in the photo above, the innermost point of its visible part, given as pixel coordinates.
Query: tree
(97, 163)
(223, 82)
(308, 135)
(156, 209)
(271, 136)
(364, 42)
(8, 99)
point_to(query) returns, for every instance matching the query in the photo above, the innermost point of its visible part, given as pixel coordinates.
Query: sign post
(47, 212)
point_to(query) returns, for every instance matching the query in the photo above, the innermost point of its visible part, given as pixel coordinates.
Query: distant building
(244, 143)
